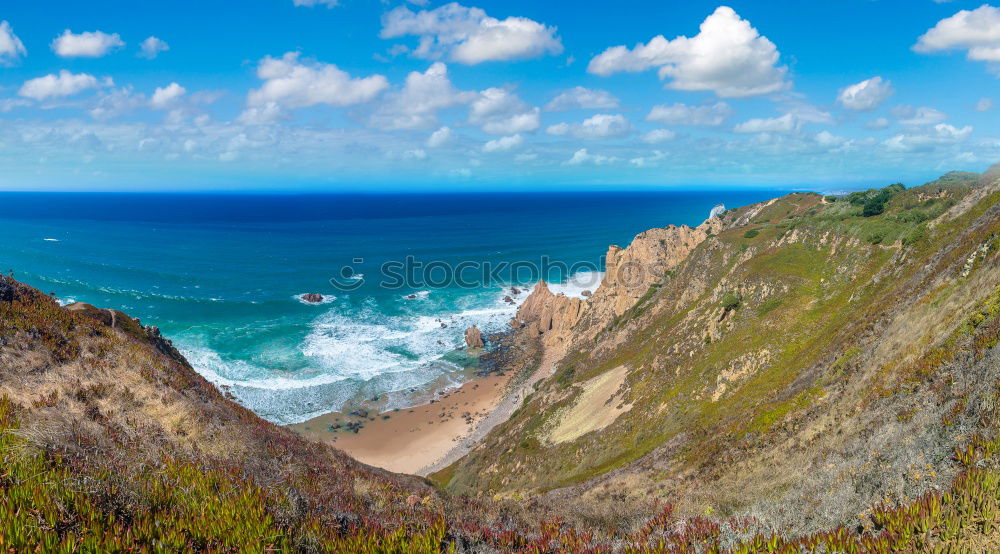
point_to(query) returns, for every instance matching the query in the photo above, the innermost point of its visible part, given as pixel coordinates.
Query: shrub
(876, 238)
(874, 206)
(915, 235)
(830, 199)
(751, 233)
(731, 301)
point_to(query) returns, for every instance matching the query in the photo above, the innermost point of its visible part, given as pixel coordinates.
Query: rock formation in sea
(474, 337)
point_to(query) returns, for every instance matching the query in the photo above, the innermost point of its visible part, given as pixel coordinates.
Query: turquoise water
(221, 275)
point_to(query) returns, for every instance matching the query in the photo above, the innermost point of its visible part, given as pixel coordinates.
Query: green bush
(915, 235)
(731, 301)
(751, 233)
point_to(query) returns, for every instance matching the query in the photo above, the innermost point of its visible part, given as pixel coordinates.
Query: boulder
(508, 299)
(313, 298)
(586, 294)
(474, 337)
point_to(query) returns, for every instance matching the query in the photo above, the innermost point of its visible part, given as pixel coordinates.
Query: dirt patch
(596, 408)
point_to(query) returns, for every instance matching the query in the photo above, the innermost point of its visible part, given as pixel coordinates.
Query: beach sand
(409, 440)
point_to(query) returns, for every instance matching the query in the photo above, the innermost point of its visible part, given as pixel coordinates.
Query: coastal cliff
(749, 364)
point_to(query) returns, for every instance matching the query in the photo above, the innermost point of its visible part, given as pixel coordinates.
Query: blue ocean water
(222, 275)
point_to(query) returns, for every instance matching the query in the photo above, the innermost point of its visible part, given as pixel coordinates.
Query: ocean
(402, 275)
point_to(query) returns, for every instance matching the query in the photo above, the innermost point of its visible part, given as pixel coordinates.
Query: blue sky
(367, 95)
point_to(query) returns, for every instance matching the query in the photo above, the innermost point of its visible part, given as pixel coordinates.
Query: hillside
(796, 361)
(803, 373)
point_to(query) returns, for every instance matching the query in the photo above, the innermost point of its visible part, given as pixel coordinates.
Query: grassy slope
(806, 359)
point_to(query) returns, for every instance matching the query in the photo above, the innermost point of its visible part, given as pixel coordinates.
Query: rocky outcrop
(629, 274)
(312, 298)
(548, 315)
(474, 337)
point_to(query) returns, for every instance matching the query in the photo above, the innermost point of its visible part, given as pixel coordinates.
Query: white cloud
(728, 56)
(115, 103)
(469, 36)
(290, 83)
(501, 112)
(784, 124)
(646, 161)
(657, 136)
(417, 104)
(151, 47)
(921, 116)
(683, 114)
(417, 154)
(879, 123)
(984, 105)
(866, 95)
(440, 137)
(312, 3)
(828, 139)
(597, 127)
(90, 44)
(582, 156)
(266, 114)
(165, 97)
(504, 144)
(11, 47)
(63, 84)
(580, 98)
(940, 134)
(977, 31)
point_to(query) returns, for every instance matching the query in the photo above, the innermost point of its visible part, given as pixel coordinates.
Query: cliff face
(743, 353)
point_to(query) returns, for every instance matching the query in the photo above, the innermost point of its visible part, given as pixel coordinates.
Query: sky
(367, 95)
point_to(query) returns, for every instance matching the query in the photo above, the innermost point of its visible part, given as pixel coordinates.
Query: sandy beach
(412, 439)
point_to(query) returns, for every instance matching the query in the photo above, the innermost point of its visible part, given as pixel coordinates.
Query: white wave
(66, 301)
(51, 240)
(577, 283)
(717, 210)
(357, 277)
(327, 298)
(419, 295)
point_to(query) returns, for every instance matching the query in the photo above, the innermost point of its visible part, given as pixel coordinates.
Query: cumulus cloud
(165, 97)
(90, 44)
(683, 114)
(940, 134)
(866, 95)
(581, 98)
(657, 136)
(976, 31)
(584, 157)
(504, 144)
(290, 83)
(63, 84)
(920, 116)
(11, 47)
(599, 126)
(440, 137)
(417, 104)
(784, 124)
(151, 48)
(728, 56)
(500, 112)
(469, 36)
